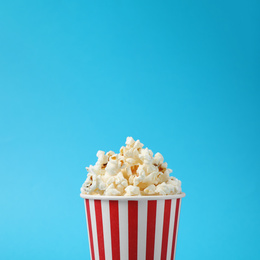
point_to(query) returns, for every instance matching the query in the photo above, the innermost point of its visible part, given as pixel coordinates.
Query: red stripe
(114, 224)
(132, 229)
(150, 235)
(100, 234)
(90, 230)
(166, 222)
(175, 227)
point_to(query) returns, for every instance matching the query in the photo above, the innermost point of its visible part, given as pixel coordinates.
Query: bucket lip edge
(126, 198)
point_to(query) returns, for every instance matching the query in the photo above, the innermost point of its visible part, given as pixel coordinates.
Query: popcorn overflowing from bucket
(132, 172)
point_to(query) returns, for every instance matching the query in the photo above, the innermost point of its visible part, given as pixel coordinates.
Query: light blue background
(79, 76)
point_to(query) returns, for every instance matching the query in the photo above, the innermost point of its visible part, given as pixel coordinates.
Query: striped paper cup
(132, 228)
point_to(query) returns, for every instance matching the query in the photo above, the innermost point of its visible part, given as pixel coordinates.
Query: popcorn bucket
(132, 228)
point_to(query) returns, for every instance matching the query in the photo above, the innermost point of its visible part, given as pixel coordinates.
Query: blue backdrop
(79, 76)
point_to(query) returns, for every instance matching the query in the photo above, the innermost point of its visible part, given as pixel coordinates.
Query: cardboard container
(132, 228)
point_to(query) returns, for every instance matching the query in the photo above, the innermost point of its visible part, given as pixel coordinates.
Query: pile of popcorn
(132, 172)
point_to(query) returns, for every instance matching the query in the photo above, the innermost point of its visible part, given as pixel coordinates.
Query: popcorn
(158, 159)
(129, 141)
(120, 180)
(145, 156)
(132, 191)
(112, 167)
(93, 169)
(168, 171)
(135, 171)
(151, 178)
(110, 153)
(128, 171)
(139, 179)
(130, 160)
(93, 183)
(164, 165)
(163, 189)
(131, 179)
(176, 183)
(138, 145)
(150, 190)
(112, 191)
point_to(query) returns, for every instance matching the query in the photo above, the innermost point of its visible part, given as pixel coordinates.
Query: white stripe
(87, 226)
(94, 228)
(172, 216)
(123, 228)
(177, 229)
(142, 227)
(159, 229)
(106, 228)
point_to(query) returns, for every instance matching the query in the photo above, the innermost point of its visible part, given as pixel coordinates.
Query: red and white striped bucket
(132, 228)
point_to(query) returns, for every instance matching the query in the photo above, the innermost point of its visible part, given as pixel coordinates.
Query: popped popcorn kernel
(135, 171)
(132, 191)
